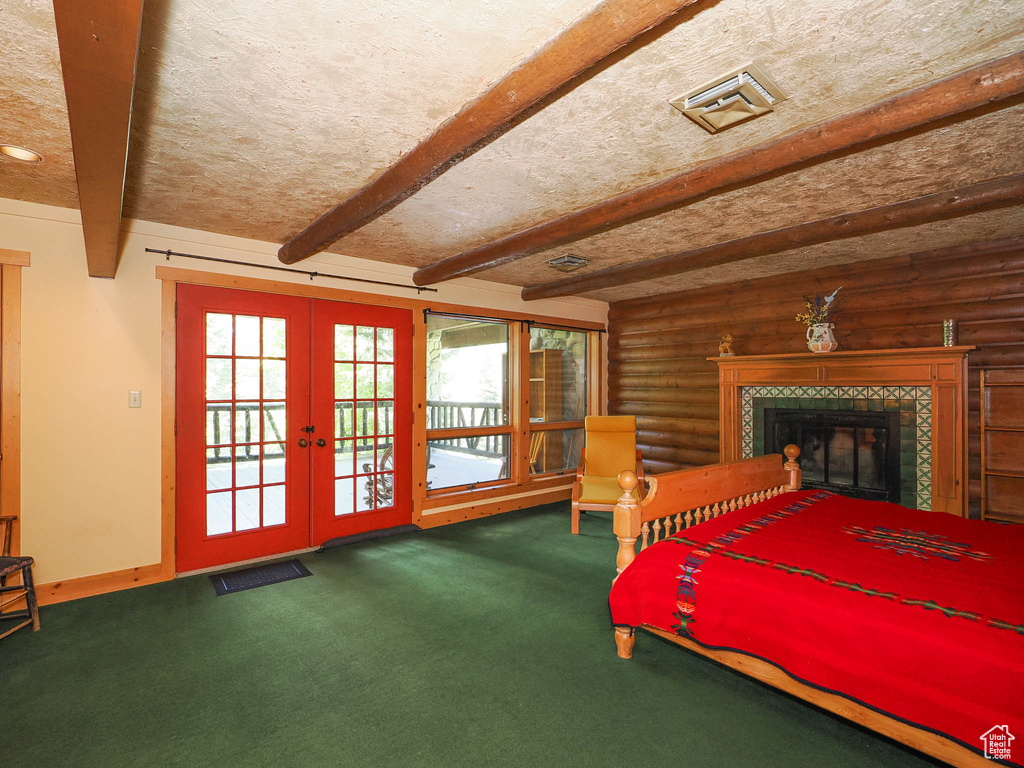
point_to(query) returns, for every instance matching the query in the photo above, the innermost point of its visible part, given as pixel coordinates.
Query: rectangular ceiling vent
(731, 99)
(567, 263)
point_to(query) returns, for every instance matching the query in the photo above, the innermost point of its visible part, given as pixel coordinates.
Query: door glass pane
(218, 334)
(344, 381)
(273, 379)
(344, 342)
(467, 372)
(385, 417)
(385, 381)
(558, 374)
(247, 509)
(364, 342)
(274, 424)
(247, 336)
(218, 513)
(365, 460)
(247, 465)
(273, 505)
(364, 380)
(344, 419)
(344, 496)
(273, 463)
(247, 425)
(218, 378)
(466, 460)
(344, 458)
(247, 379)
(218, 423)
(218, 469)
(385, 493)
(273, 337)
(365, 498)
(385, 344)
(364, 418)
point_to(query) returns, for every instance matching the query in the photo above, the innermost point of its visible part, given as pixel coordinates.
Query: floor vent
(748, 92)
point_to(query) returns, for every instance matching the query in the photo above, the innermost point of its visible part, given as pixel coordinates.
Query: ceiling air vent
(731, 99)
(567, 263)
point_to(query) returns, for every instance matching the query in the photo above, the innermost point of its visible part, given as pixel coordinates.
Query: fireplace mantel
(942, 370)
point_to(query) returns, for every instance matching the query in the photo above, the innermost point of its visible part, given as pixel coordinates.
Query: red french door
(293, 423)
(362, 409)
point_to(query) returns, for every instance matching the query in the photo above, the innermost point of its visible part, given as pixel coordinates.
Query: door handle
(303, 442)
(321, 442)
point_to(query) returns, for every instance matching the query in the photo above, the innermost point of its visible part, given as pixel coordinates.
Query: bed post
(626, 521)
(626, 524)
(791, 466)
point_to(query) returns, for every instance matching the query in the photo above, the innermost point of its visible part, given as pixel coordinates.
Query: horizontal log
(963, 288)
(679, 426)
(985, 257)
(708, 396)
(660, 467)
(680, 455)
(703, 442)
(858, 129)
(669, 381)
(631, 367)
(660, 351)
(674, 410)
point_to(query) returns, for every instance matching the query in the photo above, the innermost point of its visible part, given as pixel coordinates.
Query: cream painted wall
(91, 465)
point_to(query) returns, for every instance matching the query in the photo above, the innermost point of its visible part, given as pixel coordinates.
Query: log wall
(658, 346)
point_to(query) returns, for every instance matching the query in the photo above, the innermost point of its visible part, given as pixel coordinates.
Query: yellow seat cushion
(601, 490)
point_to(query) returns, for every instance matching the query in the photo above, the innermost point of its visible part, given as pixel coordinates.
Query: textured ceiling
(252, 119)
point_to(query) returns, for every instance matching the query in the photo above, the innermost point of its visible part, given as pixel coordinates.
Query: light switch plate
(135, 398)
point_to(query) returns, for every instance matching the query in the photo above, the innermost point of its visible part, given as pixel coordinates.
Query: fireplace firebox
(855, 453)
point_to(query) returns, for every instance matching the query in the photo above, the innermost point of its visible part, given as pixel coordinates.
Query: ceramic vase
(820, 338)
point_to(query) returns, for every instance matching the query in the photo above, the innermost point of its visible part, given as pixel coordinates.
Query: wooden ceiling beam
(99, 44)
(908, 213)
(854, 131)
(607, 28)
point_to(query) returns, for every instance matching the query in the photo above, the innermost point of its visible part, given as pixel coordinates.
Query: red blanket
(917, 614)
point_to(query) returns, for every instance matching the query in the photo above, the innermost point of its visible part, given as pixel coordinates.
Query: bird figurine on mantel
(725, 346)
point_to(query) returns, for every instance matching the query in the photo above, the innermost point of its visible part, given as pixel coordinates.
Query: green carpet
(482, 643)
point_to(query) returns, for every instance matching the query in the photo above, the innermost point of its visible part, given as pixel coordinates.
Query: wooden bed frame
(679, 500)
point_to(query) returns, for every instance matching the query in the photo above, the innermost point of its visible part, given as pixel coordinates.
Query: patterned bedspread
(917, 614)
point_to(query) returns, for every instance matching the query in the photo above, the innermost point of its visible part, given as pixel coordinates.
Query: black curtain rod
(168, 253)
(528, 323)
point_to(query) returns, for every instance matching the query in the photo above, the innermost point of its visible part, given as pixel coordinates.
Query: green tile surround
(913, 403)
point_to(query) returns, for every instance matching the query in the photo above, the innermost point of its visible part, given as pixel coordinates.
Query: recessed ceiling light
(20, 153)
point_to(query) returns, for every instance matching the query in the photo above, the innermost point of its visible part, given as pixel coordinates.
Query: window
(558, 398)
(483, 426)
(468, 414)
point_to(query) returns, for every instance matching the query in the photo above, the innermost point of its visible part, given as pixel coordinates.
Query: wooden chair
(609, 448)
(25, 591)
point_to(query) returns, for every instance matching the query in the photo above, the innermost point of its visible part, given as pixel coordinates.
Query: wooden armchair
(610, 448)
(9, 566)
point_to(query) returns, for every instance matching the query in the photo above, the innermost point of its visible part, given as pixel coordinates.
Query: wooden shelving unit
(1002, 444)
(546, 404)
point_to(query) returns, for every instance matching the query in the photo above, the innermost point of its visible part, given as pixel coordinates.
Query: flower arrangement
(820, 310)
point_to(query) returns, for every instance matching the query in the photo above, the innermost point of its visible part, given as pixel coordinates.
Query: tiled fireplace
(912, 404)
(925, 388)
